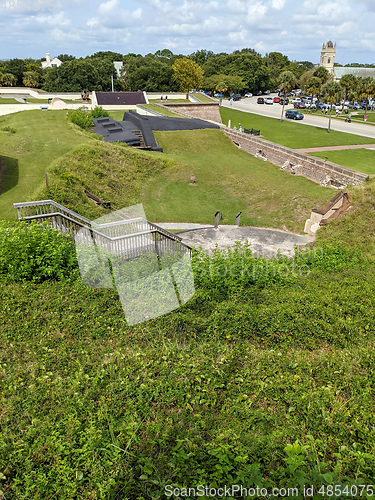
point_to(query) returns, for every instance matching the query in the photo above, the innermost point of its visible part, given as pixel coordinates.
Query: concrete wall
(323, 172)
(204, 110)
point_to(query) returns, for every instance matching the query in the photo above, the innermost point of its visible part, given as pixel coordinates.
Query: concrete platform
(263, 242)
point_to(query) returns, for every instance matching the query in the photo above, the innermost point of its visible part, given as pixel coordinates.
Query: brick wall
(203, 110)
(323, 172)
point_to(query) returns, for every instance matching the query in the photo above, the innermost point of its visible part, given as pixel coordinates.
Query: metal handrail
(74, 218)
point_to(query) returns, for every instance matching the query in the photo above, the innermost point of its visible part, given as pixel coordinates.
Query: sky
(295, 28)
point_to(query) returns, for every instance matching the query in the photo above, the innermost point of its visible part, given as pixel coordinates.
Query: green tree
(9, 80)
(30, 79)
(287, 83)
(304, 79)
(150, 73)
(65, 57)
(348, 83)
(331, 92)
(313, 86)
(323, 74)
(365, 88)
(188, 73)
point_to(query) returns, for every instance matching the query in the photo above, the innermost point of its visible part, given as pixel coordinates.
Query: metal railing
(128, 238)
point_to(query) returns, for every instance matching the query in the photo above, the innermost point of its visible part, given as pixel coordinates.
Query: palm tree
(9, 80)
(287, 83)
(313, 86)
(365, 88)
(347, 82)
(30, 79)
(332, 91)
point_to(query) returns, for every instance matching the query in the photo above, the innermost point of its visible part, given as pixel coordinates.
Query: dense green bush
(35, 253)
(99, 112)
(81, 118)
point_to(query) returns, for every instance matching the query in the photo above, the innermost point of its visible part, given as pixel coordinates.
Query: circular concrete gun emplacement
(263, 242)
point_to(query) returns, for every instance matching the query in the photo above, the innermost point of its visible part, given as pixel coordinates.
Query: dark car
(260, 100)
(235, 97)
(282, 101)
(293, 114)
(259, 92)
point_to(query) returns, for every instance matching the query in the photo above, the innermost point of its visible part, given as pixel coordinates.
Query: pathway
(336, 148)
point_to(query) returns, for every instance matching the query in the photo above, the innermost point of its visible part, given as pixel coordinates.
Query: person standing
(366, 116)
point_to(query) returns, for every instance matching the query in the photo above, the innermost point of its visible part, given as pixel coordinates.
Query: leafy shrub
(35, 253)
(11, 130)
(81, 118)
(99, 112)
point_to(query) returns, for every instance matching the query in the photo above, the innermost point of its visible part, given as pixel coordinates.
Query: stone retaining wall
(323, 172)
(203, 110)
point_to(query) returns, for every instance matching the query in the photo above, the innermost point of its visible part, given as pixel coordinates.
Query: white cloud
(278, 4)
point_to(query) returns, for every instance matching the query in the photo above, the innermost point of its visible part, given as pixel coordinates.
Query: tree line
(241, 70)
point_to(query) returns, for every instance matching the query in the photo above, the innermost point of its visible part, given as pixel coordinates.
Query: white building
(55, 63)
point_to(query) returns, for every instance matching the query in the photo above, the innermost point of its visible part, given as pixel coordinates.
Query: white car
(248, 95)
(297, 99)
(268, 100)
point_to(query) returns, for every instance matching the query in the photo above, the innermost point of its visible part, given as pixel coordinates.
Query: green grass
(212, 393)
(40, 138)
(202, 98)
(8, 101)
(362, 160)
(229, 180)
(173, 101)
(163, 111)
(292, 135)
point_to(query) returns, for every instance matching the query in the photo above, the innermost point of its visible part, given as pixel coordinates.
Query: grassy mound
(114, 172)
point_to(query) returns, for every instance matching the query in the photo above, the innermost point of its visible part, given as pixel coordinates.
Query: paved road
(250, 105)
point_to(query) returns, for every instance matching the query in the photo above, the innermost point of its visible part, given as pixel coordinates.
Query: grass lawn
(117, 115)
(159, 101)
(228, 180)
(292, 135)
(165, 112)
(8, 101)
(40, 138)
(362, 160)
(202, 98)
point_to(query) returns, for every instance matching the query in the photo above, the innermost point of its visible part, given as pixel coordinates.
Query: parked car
(300, 105)
(260, 100)
(276, 99)
(248, 94)
(293, 114)
(259, 92)
(235, 97)
(282, 101)
(312, 106)
(296, 99)
(267, 92)
(218, 95)
(268, 100)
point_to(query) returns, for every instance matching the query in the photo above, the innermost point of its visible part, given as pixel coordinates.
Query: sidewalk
(336, 148)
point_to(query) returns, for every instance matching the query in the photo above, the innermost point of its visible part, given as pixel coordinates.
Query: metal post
(218, 217)
(238, 216)
(47, 181)
(112, 83)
